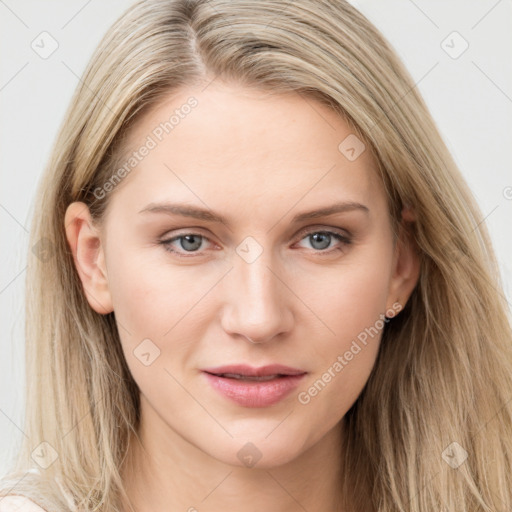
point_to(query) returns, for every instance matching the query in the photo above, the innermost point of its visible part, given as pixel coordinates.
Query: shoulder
(14, 503)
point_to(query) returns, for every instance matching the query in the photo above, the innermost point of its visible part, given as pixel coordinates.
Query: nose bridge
(257, 299)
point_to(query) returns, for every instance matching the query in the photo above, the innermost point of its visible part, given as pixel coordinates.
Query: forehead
(227, 142)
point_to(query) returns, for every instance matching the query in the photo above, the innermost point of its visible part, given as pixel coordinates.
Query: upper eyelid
(305, 230)
(315, 229)
(302, 233)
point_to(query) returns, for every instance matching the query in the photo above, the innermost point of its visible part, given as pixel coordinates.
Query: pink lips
(254, 387)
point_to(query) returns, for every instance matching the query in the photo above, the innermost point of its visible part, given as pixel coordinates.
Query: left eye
(323, 239)
(191, 242)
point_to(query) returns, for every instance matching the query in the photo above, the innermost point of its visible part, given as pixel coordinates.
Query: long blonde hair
(444, 369)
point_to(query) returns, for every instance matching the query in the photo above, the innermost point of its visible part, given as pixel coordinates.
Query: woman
(268, 286)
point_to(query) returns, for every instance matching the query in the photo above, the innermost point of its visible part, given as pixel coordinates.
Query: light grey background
(469, 96)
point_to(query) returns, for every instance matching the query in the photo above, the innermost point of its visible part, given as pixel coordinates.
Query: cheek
(158, 301)
(138, 298)
(151, 302)
(351, 311)
(349, 297)
(149, 296)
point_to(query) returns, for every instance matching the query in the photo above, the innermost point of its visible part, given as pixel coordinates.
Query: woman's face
(188, 290)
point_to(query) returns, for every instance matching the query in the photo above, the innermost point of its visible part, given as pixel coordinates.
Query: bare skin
(258, 160)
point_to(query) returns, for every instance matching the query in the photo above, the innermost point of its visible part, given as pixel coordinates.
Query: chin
(258, 452)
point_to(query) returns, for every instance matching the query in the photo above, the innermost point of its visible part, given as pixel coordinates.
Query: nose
(257, 301)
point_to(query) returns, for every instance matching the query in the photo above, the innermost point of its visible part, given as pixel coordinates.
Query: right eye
(186, 242)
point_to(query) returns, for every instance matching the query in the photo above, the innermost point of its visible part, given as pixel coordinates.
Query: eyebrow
(208, 215)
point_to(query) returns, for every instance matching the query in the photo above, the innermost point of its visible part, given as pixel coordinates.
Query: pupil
(189, 239)
(193, 242)
(326, 238)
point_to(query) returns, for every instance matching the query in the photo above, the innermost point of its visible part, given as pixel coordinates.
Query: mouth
(245, 371)
(249, 377)
(254, 387)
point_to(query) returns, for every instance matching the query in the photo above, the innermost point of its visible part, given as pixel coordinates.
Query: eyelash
(344, 239)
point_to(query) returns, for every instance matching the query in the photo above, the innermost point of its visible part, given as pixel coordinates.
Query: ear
(406, 264)
(88, 254)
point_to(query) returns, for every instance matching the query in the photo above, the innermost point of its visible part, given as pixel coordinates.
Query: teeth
(248, 377)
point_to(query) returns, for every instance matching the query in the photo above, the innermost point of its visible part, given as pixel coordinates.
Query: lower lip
(255, 393)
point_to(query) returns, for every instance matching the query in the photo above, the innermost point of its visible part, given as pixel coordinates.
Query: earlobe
(88, 255)
(406, 267)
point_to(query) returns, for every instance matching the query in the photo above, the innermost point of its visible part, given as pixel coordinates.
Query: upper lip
(251, 371)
